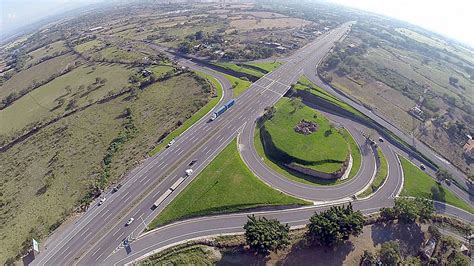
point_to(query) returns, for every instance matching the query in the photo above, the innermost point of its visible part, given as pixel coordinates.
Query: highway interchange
(97, 236)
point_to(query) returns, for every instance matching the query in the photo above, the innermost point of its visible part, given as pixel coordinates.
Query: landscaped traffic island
(303, 142)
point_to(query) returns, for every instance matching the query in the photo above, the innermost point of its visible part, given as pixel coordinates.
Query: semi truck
(162, 198)
(222, 109)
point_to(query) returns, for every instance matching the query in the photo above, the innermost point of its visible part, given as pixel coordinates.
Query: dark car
(115, 189)
(192, 162)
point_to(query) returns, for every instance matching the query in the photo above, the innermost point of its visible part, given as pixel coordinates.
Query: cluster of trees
(328, 228)
(407, 210)
(129, 131)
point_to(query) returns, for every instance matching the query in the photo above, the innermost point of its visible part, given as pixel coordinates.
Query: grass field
(39, 72)
(323, 150)
(196, 255)
(252, 24)
(242, 69)
(419, 184)
(47, 50)
(304, 83)
(225, 185)
(43, 178)
(382, 173)
(194, 118)
(38, 104)
(116, 53)
(89, 46)
(238, 85)
(267, 66)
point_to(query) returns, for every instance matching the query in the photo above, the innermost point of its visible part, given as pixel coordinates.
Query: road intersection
(97, 237)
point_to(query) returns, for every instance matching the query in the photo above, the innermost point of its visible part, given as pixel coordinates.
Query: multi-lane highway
(96, 237)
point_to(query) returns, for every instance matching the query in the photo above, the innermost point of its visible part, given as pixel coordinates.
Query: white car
(189, 172)
(130, 221)
(101, 200)
(170, 143)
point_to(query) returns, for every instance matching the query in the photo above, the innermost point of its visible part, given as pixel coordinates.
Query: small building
(146, 72)
(417, 112)
(96, 28)
(429, 248)
(469, 148)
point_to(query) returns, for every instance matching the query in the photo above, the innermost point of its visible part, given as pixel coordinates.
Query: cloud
(11, 16)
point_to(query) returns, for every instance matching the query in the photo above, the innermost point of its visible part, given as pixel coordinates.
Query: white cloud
(11, 16)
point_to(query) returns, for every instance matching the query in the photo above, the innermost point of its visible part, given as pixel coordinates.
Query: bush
(263, 235)
(335, 225)
(390, 253)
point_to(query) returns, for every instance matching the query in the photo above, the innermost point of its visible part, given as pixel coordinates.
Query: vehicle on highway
(189, 172)
(101, 200)
(130, 221)
(381, 139)
(161, 198)
(422, 167)
(116, 188)
(170, 143)
(192, 162)
(222, 109)
(448, 181)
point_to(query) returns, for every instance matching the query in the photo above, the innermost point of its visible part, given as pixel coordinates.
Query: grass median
(419, 184)
(382, 173)
(225, 185)
(194, 118)
(318, 146)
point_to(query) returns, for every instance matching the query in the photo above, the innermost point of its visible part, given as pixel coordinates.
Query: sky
(453, 18)
(17, 13)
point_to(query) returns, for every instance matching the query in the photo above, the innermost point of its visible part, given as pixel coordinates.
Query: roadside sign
(35, 245)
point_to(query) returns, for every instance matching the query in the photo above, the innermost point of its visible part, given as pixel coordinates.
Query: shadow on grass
(409, 235)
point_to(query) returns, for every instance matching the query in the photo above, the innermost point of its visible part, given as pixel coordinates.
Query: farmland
(397, 70)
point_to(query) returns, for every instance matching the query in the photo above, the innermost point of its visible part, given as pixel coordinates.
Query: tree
(453, 80)
(443, 174)
(297, 103)
(388, 214)
(368, 258)
(263, 235)
(460, 260)
(335, 225)
(425, 208)
(406, 210)
(390, 253)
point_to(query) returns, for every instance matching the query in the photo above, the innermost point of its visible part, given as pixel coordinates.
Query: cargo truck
(222, 109)
(162, 198)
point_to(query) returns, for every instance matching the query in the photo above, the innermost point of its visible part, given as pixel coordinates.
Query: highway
(96, 237)
(460, 178)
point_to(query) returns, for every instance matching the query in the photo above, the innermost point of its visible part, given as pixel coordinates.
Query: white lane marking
(180, 152)
(147, 181)
(126, 200)
(120, 236)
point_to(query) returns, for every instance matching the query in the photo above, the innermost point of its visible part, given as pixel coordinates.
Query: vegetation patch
(419, 184)
(244, 69)
(54, 172)
(382, 173)
(225, 185)
(239, 85)
(168, 136)
(325, 150)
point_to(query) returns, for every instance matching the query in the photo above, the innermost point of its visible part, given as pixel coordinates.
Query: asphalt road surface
(98, 235)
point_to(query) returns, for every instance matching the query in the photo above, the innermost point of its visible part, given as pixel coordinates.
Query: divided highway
(97, 236)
